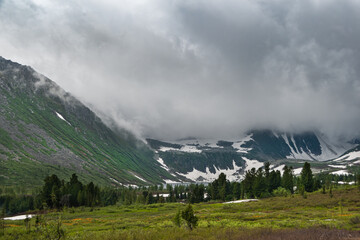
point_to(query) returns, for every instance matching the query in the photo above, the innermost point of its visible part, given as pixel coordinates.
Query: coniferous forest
(258, 183)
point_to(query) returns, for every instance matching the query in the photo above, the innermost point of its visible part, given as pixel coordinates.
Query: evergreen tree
(189, 217)
(288, 179)
(274, 180)
(248, 183)
(260, 186)
(50, 193)
(236, 190)
(267, 175)
(307, 178)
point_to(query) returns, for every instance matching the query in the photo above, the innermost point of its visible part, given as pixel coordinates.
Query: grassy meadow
(315, 216)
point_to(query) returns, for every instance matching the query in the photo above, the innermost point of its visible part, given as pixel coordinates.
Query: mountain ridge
(45, 130)
(42, 125)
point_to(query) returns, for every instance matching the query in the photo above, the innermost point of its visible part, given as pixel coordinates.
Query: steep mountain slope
(200, 160)
(44, 130)
(351, 156)
(267, 144)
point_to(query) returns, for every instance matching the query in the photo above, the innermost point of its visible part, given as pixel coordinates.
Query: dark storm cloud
(212, 69)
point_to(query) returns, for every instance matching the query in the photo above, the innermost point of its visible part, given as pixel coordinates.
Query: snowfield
(231, 174)
(20, 217)
(252, 164)
(297, 171)
(349, 156)
(165, 149)
(278, 168)
(168, 181)
(341, 172)
(237, 145)
(185, 148)
(242, 201)
(337, 166)
(190, 149)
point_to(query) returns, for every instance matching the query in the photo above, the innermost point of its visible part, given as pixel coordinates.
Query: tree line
(257, 183)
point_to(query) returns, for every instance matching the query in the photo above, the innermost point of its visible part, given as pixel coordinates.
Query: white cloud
(172, 69)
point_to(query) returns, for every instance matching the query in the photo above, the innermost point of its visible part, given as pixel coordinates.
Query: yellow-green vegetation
(277, 215)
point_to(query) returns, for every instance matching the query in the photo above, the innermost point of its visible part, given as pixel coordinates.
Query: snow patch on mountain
(168, 181)
(62, 118)
(184, 148)
(163, 165)
(190, 149)
(349, 156)
(337, 166)
(166, 149)
(237, 145)
(296, 153)
(252, 164)
(279, 168)
(207, 176)
(297, 171)
(341, 172)
(139, 177)
(329, 150)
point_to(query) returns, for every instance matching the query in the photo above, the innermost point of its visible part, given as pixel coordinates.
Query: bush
(281, 192)
(355, 220)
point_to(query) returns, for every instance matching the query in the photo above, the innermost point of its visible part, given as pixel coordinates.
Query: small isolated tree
(177, 218)
(189, 217)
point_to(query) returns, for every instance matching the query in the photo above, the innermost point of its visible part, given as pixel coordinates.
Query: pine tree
(307, 178)
(260, 188)
(248, 183)
(288, 179)
(189, 216)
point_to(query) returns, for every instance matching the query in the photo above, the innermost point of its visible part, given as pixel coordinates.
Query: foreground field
(318, 216)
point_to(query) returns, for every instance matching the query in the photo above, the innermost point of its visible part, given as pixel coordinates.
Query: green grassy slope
(35, 142)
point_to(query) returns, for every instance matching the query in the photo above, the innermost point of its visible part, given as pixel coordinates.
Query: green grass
(216, 220)
(31, 131)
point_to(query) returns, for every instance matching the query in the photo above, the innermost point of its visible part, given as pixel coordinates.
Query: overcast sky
(171, 69)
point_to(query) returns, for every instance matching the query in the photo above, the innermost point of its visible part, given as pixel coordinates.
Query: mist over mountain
(208, 69)
(45, 130)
